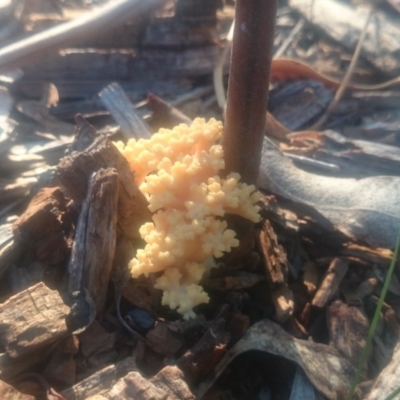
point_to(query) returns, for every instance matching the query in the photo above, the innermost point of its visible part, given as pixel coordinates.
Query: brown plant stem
(248, 86)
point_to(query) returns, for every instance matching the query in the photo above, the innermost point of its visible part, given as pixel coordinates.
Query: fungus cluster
(178, 172)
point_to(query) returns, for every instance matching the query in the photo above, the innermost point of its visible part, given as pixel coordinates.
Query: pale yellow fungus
(177, 170)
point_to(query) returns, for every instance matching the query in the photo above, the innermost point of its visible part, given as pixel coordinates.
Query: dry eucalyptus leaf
(388, 380)
(330, 373)
(366, 209)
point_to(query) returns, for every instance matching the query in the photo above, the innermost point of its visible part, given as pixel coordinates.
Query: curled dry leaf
(366, 209)
(327, 370)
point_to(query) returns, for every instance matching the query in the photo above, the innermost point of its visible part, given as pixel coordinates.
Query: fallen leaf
(330, 373)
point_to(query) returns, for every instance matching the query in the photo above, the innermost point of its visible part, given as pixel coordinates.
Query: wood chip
(91, 151)
(163, 340)
(336, 272)
(93, 250)
(101, 381)
(41, 228)
(8, 392)
(273, 254)
(32, 319)
(348, 328)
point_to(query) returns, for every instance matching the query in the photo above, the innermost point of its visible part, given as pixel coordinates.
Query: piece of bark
(42, 228)
(330, 284)
(101, 381)
(310, 277)
(241, 281)
(122, 110)
(12, 367)
(273, 254)
(91, 151)
(8, 392)
(165, 114)
(201, 359)
(95, 339)
(93, 250)
(348, 329)
(61, 369)
(163, 340)
(282, 297)
(168, 384)
(32, 319)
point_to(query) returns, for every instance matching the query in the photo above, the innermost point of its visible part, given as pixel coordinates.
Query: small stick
(248, 86)
(346, 79)
(33, 47)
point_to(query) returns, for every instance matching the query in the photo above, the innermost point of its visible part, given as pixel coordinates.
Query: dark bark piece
(32, 319)
(164, 340)
(94, 247)
(41, 228)
(348, 329)
(329, 286)
(61, 369)
(242, 281)
(95, 152)
(164, 113)
(101, 381)
(10, 368)
(274, 255)
(8, 392)
(202, 358)
(95, 339)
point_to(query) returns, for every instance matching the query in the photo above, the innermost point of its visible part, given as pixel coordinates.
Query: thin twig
(248, 86)
(347, 77)
(33, 47)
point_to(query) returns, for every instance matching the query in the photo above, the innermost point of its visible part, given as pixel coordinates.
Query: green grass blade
(375, 320)
(393, 394)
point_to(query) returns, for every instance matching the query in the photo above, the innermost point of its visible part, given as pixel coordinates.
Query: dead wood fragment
(95, 339)
(122, 110)
(32, 319)
(164, 113)
(10, 367)
(202, 358)
(9, 392)
(330, 284)
(348, 329)
(101, 381)
(171, 381)
(42, 227)
(61, 369)
(282, 297)
(168, 384)
(242, 281)
(90, 152)
(95, 239)
(310, 277)
(164, 340)
(273, 254)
